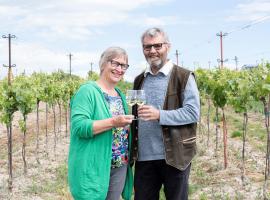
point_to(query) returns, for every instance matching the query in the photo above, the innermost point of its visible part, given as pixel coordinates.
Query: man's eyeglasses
(157, 46)
(115, 64)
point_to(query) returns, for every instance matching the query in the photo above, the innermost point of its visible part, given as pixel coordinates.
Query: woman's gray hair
(109, 54)
(153, 32)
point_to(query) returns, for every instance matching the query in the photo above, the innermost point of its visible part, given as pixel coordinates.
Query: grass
(200, 178)
(205, 174)
(203, 196)
(236, 134)
(58, 186)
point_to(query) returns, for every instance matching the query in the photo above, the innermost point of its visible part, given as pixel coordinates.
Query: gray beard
(156, 64)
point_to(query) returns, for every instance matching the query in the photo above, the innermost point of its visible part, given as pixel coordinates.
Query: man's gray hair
(109, 54)
(153, 32)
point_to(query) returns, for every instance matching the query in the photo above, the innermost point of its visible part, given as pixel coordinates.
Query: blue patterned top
(120, 135)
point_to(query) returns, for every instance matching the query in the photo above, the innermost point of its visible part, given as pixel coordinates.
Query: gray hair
(153, 32)
(109, 54)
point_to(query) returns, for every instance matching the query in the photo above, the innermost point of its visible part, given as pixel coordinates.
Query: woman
(98, 166)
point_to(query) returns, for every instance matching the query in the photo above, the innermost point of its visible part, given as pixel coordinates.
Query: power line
(252, 23)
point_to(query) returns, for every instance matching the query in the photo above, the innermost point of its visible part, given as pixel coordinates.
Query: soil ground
(209, 179)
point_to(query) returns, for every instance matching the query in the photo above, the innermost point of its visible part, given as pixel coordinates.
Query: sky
(47, 31)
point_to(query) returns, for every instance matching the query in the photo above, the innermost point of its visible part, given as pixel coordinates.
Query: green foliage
(203, 79)
(124, 86)
(260, 79)
(217, 119)
(240, 93)
(8, 102)
(22, 125)
(25, 94)
(236, 88)
(93, 76)
(203, 196)
(193, 188)
(236, 134)
(26, 91)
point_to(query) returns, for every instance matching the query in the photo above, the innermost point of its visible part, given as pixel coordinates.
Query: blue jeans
(151, 175)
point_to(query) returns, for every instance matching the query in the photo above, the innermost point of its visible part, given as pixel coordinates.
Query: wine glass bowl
(131, 97)
(135, 97)
(140, 97)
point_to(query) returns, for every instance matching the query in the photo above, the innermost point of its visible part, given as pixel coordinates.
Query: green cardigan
(89, 161)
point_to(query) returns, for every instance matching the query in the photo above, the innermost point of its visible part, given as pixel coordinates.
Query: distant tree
(124, 86)
(93, 76)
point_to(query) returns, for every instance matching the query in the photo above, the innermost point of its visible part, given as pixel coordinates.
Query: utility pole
(9, 37)
(91, 69)
(70, 55)
(236, 62)
(196, 65)
(209, 64)
(218, 61)
(9, 126)
(221, 35)
(177, 54)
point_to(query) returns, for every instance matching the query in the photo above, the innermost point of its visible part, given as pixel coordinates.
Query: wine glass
(131, 100)
(140, 97)
(131, 97)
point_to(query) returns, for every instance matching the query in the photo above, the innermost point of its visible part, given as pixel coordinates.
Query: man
(164, 141)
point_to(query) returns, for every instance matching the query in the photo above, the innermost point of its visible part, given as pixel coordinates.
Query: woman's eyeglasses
(116, 64)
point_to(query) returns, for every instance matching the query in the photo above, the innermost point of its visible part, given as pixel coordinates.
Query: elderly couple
(103, 147)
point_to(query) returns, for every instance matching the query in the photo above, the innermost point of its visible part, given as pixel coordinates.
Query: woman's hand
(99, 126)
(122, 120)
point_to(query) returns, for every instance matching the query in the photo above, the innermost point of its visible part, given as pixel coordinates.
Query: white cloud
(73, 19)
(255, 6)
(158, 21)
(39, 21)
(11, 11)
(69, 25)
(109, 5)
(251, 11)
(146, 21)
(35, 57)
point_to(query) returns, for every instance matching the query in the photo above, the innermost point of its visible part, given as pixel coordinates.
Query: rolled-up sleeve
(81, 108)
(189, 113)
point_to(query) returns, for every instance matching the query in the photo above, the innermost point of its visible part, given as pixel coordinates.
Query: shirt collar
(165, 69)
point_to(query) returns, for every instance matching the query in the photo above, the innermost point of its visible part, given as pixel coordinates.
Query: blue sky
(47, 31)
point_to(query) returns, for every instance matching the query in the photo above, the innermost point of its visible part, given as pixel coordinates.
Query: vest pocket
(188, 141)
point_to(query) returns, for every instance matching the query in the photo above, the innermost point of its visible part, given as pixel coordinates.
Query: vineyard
(233, 135)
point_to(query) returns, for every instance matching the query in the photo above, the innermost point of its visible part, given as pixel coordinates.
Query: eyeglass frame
(116, 64)
(146, 46)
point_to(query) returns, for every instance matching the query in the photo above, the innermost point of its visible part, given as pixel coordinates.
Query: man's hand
(122, 120)
(147, 113)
